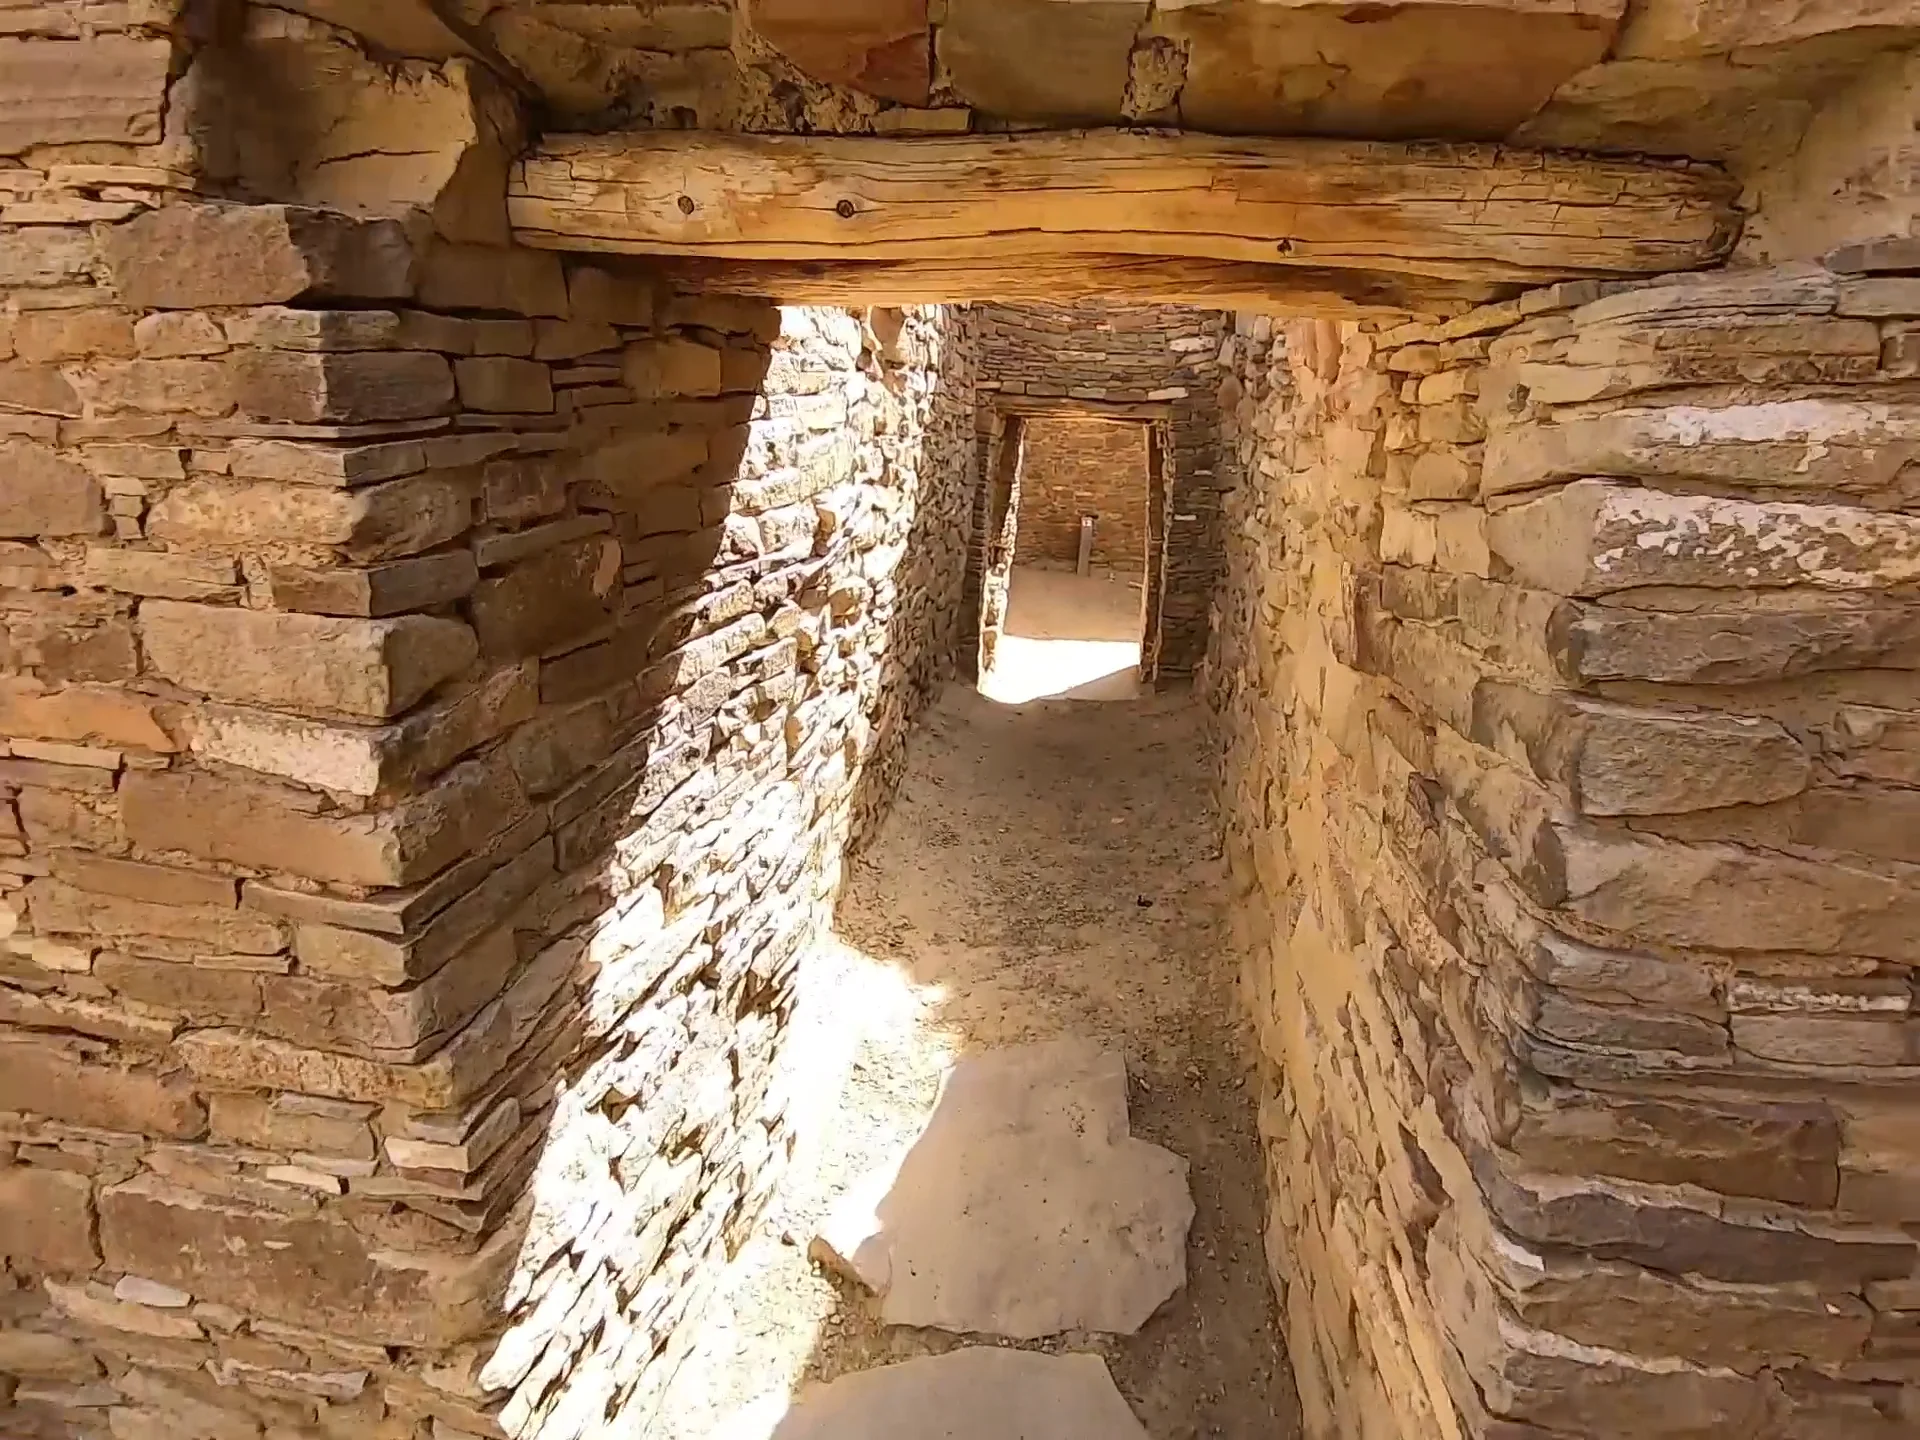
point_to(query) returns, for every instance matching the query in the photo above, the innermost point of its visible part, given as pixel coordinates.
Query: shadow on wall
(791, 667)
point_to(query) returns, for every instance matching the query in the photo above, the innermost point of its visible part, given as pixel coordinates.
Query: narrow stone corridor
(1048, 871)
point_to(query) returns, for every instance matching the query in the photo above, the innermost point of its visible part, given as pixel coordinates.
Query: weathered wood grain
(1219, 284)
(1471, 212)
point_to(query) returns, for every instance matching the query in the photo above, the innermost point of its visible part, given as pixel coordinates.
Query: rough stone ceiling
(1706, 78)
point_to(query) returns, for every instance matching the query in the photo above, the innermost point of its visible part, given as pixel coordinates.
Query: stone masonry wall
(437, 686)
(1149, 355)
(1566, 679)
(1083, 467)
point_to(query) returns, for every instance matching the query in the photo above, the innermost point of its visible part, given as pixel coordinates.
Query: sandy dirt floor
(1069, 635)
(1048, 870)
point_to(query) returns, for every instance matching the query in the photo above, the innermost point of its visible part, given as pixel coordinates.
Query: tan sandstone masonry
(1566, 675)
(1164, 355)
(437, 685)
(1084, 467)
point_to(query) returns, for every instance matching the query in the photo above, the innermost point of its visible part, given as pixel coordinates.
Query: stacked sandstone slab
(1567, 677)
(1163, 357)
(437, 685)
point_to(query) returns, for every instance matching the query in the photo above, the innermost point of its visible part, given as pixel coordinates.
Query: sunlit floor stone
(1024, 1208)
(971, 1394)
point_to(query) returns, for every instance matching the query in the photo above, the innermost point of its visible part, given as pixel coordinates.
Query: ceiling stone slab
(881, 47)
(1436, 69)
(1708, 108)
(1063, 61)
(1677, 29)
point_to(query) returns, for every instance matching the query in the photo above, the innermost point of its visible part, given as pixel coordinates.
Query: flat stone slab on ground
(972, 1394)
(1024, 1207)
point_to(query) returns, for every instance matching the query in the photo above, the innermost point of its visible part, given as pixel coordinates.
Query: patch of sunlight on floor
(861, 1025)
(1068, 636)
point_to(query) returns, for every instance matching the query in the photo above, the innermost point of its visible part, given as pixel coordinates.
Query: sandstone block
(46, 1221)
(597, 294)
(138, 880)
(110, 88)
(178, 334)
(195, 994)
(94, 1306)
(54, 335)
(395, 1025)
(54, 1079)
(294, 1123)
(1656, 1229)
(42, 256)
(43, 494)
(501, 383)
(304, 463)
(1828, 1039)
(44, 1356)
(570, 339)
(519, 281)
(1772, 1151)
(1537, 1379)
(366, 760)
(1634, 1311)
(420, 583)
(630, 464)
(185, 257)
(1788, 444)
(1616, 976)
(351, 388)
(879, 46)
(38, 390)
(161, 387)
(1726, 898)
(655, 369)
(1708, 648)
(68, 637)
(162, 576)
(216, 818)
(277, 327)
(1614, 759)
(309, 664)
(310, 1271)
(1592, 538)
(81, 714)
(388, 960)
(60, 909)
(564, 594)
(375, 522)
(1597, 362)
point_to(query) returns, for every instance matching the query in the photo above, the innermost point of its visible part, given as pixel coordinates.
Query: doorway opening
(1076, 556)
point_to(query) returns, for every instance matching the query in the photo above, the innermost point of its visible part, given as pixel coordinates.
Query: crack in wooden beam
(1217, 284)
(1477, 213)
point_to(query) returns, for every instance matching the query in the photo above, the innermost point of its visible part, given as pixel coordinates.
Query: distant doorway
(1076, 541)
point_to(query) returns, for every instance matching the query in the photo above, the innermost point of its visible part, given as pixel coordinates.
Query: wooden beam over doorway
(1294, 290)
(1478, 213)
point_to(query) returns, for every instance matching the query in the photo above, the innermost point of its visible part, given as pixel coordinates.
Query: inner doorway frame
(991, 559)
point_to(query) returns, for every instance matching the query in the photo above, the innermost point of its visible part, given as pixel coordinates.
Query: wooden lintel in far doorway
(1479, 214)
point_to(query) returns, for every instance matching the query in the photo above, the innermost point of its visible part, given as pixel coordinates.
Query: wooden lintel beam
(1064, 405)
(1297, 290)
(1475, 212)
